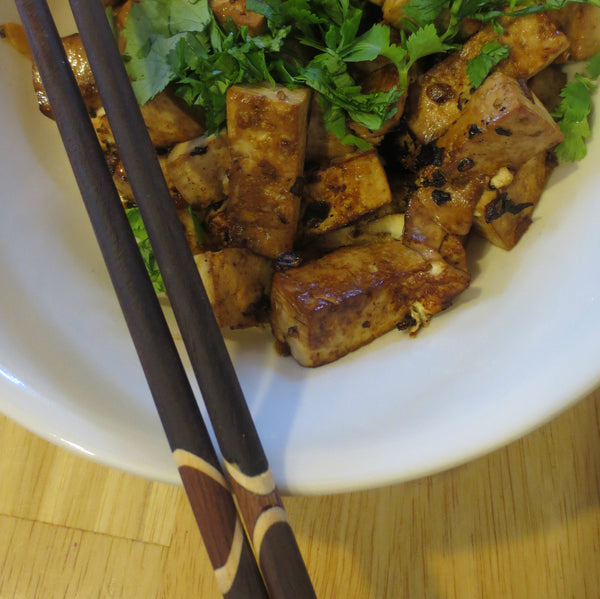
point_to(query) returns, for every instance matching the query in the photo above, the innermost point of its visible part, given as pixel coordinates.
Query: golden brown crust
(336, 304)
(267, 141)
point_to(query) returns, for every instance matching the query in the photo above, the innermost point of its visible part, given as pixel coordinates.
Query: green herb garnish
(180, 42)
(491, 54)
(141, 236)
(574, 110)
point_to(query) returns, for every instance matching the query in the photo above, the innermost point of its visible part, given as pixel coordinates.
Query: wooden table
(523, 522)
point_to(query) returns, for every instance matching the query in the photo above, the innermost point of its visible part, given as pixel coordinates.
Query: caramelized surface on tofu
(503, 125)
(335, 244)
(581, 24)
(338, 194)
(236, 11)
(336, 304)
(169, 120)
(238, 284)
(83, 75)
(267, 142)
(503, 215)
(198, 169)
(439, 95)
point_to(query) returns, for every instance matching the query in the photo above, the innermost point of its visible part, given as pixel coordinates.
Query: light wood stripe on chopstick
(264, 522)
(261, 484)
(185, 458)
(226, 574)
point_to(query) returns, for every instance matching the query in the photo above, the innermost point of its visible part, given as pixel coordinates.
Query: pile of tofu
(332, 246)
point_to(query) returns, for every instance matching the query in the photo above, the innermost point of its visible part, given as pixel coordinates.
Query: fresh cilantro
(141, 236)
(574, 110)
(491, 54)
(197, 224)
(452, 12)
(309, 42)
(424, 12)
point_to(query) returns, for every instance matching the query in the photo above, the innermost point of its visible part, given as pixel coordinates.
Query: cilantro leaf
(424, 12)
(593, 66)
(368, 46)
(574, 110)
(479, 67)
(573, 147)
(141, 236)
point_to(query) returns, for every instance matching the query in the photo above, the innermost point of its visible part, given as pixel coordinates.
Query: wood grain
(523, 522)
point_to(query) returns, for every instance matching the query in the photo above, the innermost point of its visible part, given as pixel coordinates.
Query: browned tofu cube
(83, 75)
(338, 194)
(198, 169)
(14, 34)
(424, 234)
(267, 142)
(236, 11)
(439, 95)
(334, 305)
(170, 120)
(450, 205)
(581, 24)
(503, 125)
(238, 284)
(547, 85)
(393, 11)
(121, 180)
(503, 215)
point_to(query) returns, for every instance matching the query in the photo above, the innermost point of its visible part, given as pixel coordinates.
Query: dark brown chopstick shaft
(187, 435)
(233, 425)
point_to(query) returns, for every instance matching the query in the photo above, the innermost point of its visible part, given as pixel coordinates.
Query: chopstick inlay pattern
(260, 484)
(211, 502)
(264, 522)
(185, 458)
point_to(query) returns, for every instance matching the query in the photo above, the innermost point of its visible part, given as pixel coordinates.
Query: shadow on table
(521, 522)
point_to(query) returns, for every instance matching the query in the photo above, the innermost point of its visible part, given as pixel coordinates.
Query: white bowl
(520, 345)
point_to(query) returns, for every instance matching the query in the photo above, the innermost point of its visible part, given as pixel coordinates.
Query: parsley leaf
(141, 236)
(491, 54)
(424, 12)
(180, 43)
(574, 110)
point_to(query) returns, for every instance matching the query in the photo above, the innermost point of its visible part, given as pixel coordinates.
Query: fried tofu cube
(338, 194)
(238, 285)
(424, 234)
(581, 24)
(503, 215)
(14, 34)
(236, 11)
(503, 125)
(334, 305)
(267, 142)
(198, 169)
(547, 85)
(393, 12)
(450, 205)
(83, 75)
(170, 120)
(361, 232)
(439, 95)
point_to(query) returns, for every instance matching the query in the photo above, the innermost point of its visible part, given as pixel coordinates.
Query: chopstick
(246, 466)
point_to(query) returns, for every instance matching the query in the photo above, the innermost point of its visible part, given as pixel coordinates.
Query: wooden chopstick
(246, 465)
(231, 556)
